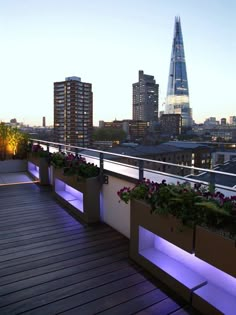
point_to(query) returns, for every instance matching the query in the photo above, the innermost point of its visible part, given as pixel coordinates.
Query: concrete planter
(148, 233)
(167, 227)
(13, 166)
(33, 158)
(216, 250)
(38, 168)
(80, 196)
(207, 278)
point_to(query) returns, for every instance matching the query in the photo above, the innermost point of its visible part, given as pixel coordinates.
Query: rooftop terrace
(52, 264)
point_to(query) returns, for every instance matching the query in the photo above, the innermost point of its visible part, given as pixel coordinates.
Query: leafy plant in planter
(37, 151)
(58, 159)
(74, 165)
(72, 170)
(198, 205)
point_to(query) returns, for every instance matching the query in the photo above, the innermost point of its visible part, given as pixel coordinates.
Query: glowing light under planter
(33, 169)
(71, 195)
(213, 284)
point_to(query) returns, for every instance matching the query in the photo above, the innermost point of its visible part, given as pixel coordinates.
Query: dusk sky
(106, 43)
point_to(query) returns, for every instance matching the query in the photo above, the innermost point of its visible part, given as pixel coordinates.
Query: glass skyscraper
(177, 100)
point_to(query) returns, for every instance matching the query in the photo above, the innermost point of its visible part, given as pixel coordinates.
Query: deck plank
(50, 263)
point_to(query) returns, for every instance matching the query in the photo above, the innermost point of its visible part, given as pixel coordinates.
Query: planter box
(38, 168)
(81, 198)
(13, 166)
(216, 250)
(148, 234)
(167, 227)
(33, 158)
(206, 279)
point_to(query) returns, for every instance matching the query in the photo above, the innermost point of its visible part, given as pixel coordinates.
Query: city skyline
(107, 43)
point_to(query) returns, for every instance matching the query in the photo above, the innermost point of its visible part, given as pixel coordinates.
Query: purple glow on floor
(220, 299)
(148, 240)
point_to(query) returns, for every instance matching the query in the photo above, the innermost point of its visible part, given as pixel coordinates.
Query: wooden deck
(52, 264)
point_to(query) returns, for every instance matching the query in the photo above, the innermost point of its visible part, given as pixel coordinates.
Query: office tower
(145, 98)
(232, 120)
(223, 121)
(44, 121)
(73, 112)
(171, 124)
(177, 100)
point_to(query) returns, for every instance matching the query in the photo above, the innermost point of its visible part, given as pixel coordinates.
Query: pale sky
(106, 43)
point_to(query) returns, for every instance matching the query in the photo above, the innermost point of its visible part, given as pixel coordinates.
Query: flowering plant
(198, 205)
(74, 164)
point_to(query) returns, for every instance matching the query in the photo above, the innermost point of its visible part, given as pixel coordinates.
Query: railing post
(140, 168)
(101, 155)
(101, 164)
(212, 180)
(31, 143)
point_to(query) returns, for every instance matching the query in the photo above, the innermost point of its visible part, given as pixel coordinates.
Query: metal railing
(112, 162)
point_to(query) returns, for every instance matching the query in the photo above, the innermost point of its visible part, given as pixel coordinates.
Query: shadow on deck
(52, 264)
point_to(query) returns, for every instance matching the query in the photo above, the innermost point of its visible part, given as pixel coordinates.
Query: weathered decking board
(51, 264)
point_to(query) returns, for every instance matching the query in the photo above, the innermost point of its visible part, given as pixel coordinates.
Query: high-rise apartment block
(145, 98)
(73, 112)
(177, 100)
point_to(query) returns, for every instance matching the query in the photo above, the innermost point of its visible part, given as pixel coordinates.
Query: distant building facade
(232, 120)
(161, 152)
(201, 154)
(171, 124)
(177, 99)
(135, 129)
(211, 121)
(223, 121)
(145, 98)
(73, 112)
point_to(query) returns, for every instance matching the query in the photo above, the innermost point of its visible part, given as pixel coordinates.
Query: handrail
(140, 160)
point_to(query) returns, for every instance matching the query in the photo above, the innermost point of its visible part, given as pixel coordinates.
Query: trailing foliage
(198, 205)
(74, 164)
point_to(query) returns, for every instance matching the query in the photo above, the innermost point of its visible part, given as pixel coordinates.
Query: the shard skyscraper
(177, 100)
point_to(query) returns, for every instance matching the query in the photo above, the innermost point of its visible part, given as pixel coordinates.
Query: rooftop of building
(142, 150)
(220, 179)
(186, 144)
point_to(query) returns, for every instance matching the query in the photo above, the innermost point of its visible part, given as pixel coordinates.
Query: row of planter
(80, 196)
(198, 264)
